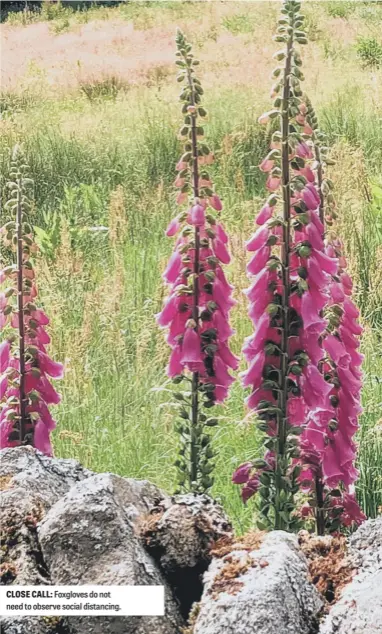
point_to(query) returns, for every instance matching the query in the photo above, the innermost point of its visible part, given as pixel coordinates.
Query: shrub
(369, 50)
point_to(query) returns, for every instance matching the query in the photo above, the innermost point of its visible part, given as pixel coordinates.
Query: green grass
(102, 292)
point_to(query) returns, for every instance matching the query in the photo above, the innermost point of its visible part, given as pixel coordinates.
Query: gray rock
(36, 489)
(260, 591)
(30, 483)
(88, 537)
(359, 610)
(183, 528)
(365, 546)
(21, 556)
(30, 470)
(34, 625)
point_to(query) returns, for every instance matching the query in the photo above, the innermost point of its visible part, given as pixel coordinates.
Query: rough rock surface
(34, 472)
(30, 483)
(88, 538)
(34, 625)
(359, 611)
(260, 591)
(61, 524)
(179, 534)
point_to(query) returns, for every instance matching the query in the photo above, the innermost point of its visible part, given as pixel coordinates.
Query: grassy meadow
(93, 97)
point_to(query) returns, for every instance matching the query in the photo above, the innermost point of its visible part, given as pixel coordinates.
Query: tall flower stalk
(25, 389)
(197, 309)
(290, 289)
(328, 439)
(303, 361)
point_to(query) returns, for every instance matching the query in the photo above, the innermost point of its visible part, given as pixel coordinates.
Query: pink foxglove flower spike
(292, 273)
(26, 368)
(197, 309)
(330, 431)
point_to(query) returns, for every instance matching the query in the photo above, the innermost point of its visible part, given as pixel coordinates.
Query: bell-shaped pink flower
(336, 292)
(50, 367)
(267, 165)
(224, 301)
(5, 430)
(331, 468)
(198, 216)
(47, 391)
(258, 240)
(327, 264)
(191, 348)
(304, 151)
(173, 268)
(265, 213)
(259, 260)
(222, 326)
(181, 198)
(3, 386)
(352, 510)
(260, 284)
(43, 338)
(222, 376)
(221, 251)
(41, 408)
(307, 173)
(175, 366)
(220, 233)
(310, 316)
(273, 183)
(314, 237)
(242, 473)
(250, 488)
(315, 388)
(309, 199)
(39, 316)
(177, 327)
(215, 202)
(173, 227)
(258, 307)
(336, 350)
(3, 301)
(350, 309)
(5, 349)
(41, 439)
(228, 357)
(169, 311)
(253, 376)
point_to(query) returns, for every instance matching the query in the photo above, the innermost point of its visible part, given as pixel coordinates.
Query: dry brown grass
(116, 51)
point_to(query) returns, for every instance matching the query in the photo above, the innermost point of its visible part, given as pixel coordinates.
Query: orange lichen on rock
(250, 541)
(5, 482)
(330, 569)
(227, 579)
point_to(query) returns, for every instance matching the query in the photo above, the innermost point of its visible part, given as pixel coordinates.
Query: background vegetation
(93, 96)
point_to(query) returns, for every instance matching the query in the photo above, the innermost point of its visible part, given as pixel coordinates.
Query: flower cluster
(327, 442)
(197, 309)
(25, 366)
(297, 373)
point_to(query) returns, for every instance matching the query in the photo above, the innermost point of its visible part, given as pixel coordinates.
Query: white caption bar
(82, 600)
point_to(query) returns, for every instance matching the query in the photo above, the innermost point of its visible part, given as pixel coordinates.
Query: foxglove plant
(289, 291)
(328, 451)
(25, 367)
(196, 311)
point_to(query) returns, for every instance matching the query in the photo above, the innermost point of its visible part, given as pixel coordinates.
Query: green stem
(320, 512)
(280, 522)
(20, 308)
(195, 308)
(319, 181)
(319, 486)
